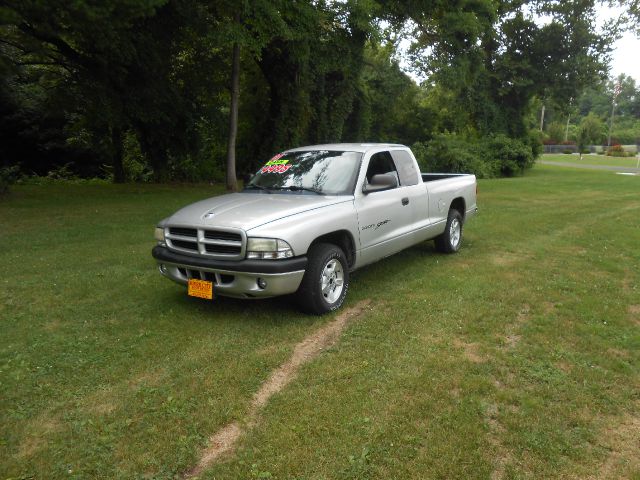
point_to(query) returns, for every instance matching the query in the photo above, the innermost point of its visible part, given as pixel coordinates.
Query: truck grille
(228, 244)
(186, 245)
(184, 232)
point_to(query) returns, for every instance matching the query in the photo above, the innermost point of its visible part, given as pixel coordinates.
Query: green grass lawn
(592, 160)
(519, 357)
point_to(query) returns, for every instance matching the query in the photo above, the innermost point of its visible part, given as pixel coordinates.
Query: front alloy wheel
(326, 280)
(332, 281)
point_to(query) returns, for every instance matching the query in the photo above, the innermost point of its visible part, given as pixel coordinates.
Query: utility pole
(566, 130)
(616, 92)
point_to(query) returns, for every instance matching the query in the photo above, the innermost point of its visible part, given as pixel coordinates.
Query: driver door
(384, 218)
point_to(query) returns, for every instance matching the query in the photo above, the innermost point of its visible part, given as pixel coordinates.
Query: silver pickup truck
(308, 218)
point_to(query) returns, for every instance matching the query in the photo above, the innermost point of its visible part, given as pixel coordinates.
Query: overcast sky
(626, 56)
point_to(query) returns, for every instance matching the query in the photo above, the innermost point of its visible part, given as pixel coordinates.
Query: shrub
(535, 142)
(183, 168)
(134, 163)
(448, 152)
(618, 151)
(8, 176)
(497, 155)
(513, 155)
(63, 172)
(61, 175)
(419, 149)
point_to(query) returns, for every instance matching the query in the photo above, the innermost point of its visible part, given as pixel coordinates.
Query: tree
(388, 105)
(232, 183)
(632, 17)
(502, 59)
(188, 81)
(116, 56)
(590, 131)
(243, 27)
(555, 132)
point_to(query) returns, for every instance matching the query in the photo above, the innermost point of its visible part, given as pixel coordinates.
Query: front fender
(302, 229)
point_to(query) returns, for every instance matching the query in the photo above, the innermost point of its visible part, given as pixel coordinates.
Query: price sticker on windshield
(279, 168)
(276, 165)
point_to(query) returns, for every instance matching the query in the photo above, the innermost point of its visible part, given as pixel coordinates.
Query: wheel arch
(342, 239)
(459, 204)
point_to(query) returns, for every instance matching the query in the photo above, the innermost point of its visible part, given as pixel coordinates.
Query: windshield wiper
(296, 188)
(253, 185)
(293, 188)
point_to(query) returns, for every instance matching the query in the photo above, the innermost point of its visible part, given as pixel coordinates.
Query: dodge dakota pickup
(308, 218)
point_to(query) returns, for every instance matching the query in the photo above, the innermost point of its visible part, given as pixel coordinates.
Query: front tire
(326, 280)
(451, 239)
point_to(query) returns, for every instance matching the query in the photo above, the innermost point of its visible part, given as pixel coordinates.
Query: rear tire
(451, 239)
(326, 280)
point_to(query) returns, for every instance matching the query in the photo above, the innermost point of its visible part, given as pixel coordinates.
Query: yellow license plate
(200, 289)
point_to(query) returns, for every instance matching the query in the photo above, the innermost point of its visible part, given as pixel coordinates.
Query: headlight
(268, 248)
(159, 234)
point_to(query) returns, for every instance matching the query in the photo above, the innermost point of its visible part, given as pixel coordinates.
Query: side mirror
(380, 182)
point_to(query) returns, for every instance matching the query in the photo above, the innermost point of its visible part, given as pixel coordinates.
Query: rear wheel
(451, 239)
(326, 280)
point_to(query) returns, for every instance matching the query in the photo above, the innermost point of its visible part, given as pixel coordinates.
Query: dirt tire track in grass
(225, 439)
(622, 440)
(502, 455)
(512, 336)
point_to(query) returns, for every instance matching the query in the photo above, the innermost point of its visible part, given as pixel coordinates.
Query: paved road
(590, 167)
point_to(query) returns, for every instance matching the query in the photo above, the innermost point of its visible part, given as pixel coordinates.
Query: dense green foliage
(491, 156)
(514, 59)
(139, 89)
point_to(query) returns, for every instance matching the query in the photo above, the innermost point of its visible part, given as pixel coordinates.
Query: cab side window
(381, 163)
(406, 168)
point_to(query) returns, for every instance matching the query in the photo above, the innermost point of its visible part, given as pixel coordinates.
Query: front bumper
(233, 278)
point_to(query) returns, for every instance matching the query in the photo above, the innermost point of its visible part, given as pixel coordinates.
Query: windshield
(316, 172)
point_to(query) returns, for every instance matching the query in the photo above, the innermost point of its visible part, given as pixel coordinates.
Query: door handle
(405, 201)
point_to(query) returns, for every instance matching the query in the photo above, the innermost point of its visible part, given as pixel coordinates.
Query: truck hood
(249, 210)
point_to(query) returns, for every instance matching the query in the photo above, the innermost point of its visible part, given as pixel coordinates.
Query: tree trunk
(232, 183)
(118, 167)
